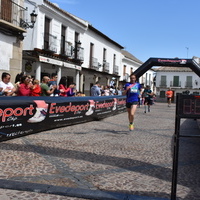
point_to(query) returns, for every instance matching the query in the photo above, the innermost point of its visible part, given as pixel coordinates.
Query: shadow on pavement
(188, 172)
(125, 163)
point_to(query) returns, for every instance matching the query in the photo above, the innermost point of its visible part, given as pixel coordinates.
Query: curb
(71, 192)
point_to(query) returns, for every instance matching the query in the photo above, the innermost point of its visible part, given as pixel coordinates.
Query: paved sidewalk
(103, 160)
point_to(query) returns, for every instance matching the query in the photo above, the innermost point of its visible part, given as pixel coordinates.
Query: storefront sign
(50, 61)
(58, 62)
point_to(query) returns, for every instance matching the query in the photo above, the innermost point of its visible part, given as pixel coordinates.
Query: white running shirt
(9, 86)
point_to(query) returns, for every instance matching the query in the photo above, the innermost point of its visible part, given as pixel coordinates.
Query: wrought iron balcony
(126, 77)
(116, 70)
(163, 84)
(188, 84)
(50, 42)
(66, 49)
(11, 12)
(175, 84)
(80, 54)
(11, 15)
(94, 64)
(105, 67)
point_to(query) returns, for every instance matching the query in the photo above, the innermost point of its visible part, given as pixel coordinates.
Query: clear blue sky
(145, 28)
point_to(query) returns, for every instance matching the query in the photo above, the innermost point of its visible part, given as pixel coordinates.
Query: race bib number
(134, 90)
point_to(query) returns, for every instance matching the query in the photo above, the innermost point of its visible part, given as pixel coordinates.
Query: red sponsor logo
(54, 109)
(104, 105)
(17, 112)
(181, 61)
(121, 102)
(197, 97)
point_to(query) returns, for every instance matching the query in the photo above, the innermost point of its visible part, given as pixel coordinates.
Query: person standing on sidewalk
(132, 91)
(169, 94)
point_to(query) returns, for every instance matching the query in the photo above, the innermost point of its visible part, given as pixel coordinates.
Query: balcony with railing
(188, 84)
(116, 70)
(94, 64)
(11, 15)
(106, 67)
(175, 83)
(163, 84)
(80, 54)
(66, 49)
(126, 77)
(50, 42)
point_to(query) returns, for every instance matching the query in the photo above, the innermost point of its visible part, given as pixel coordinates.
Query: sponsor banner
(20, 116)
(173, 61)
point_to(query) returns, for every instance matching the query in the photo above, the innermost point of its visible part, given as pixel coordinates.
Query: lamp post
(77, 48)
(25, 24)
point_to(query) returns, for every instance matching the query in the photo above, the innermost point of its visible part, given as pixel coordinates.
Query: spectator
(45, 89)
(1, 93)
(72, 91)
(52, 83)
(113, 90)
(31, 80)
(106, 90)
(18, 80)
(118, 91)
(80, 94)
(102, 90)
(6, 87)
(36, 89)
(24, 87)
(95, 89)
(63, 86)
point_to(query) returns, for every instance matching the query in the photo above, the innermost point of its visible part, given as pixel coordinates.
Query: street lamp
(78, 46)
(25, 24)
(77, 49)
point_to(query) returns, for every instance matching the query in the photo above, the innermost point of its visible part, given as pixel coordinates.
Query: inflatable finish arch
(176, 62)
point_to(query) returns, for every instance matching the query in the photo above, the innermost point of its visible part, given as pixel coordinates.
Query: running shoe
(131, 127)
(39, 116)
(90, 111)
(91, 108)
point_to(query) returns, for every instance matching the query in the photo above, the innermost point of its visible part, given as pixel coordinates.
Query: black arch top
(170, 62)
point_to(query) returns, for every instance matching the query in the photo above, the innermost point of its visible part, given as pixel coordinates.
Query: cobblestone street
(103, 160)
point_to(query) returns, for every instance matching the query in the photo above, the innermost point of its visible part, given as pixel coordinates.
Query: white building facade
(102, 60)
(62, 43)
(179, 79)
(53, 45)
